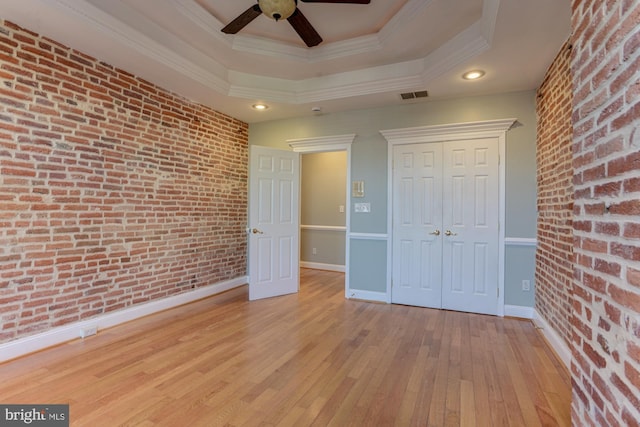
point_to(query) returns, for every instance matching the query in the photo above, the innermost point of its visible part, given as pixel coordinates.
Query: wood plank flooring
(309, 359)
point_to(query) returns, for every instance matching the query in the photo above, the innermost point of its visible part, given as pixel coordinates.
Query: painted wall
(323, 181)
(369, 163)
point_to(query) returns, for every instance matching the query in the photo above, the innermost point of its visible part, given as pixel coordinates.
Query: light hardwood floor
(308, 359)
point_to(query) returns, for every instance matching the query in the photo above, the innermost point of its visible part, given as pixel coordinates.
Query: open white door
(273, 222)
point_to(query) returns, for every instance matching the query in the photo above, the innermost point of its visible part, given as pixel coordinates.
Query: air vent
(414, 95)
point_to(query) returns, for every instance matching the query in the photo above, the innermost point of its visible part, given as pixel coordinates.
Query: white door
(273, 222)
(445, 225)
(417, 225)
(470, 224)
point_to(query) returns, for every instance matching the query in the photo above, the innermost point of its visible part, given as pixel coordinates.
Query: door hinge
(498, 292)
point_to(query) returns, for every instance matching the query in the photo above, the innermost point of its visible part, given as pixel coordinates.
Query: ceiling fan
(284, 9)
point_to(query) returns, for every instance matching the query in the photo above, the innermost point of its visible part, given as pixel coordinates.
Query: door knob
(435, 233)
(256, 231)
(450, 233)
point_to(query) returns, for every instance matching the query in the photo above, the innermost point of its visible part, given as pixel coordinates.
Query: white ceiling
(370, 54)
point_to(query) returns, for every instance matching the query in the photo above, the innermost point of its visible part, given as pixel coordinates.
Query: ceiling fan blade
(241, 21)
(338, 1)
(305, 30)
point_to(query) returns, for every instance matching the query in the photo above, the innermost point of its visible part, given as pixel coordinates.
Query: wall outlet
(341, 208)
(526, 285)
(314, 251)
(88, 331)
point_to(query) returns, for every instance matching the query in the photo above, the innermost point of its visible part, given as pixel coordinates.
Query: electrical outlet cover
(362, 207)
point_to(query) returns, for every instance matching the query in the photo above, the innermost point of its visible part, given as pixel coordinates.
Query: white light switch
(341, 208)
(362, 207)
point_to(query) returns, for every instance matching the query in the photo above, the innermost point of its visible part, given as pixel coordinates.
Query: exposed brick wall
(113, 192)
(554, 254)
(606, 159)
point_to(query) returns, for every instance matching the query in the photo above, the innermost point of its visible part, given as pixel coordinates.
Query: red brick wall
(606, 159)
(554, 254)
(113, 192)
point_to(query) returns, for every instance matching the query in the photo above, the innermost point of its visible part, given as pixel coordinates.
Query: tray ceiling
(370, 54)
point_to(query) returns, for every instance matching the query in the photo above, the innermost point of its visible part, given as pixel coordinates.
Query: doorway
(269, 197)
(323, 181)
(331, 144)
(446, 248)
(445, 225)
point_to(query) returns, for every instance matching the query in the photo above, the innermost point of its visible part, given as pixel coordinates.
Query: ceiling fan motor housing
(277, 9)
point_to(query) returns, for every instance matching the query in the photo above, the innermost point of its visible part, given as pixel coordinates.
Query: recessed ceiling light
(260, 107)
(473, 75)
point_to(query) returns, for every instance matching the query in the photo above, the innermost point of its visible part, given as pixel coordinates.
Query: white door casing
(273, 222)
(323, 144)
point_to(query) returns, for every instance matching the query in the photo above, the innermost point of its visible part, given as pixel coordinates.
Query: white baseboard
(367, 295)
(520, 311)
(59, 335)
(321, 266)
(555, 341)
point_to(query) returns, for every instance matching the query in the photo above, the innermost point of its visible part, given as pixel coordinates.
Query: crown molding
(451, 131)
(283, 51)
(391, 84)
(122, 33)
(210, 73)
(464, 46)
(388, 78)
(322, 143)
(203, 19)
(489, 17)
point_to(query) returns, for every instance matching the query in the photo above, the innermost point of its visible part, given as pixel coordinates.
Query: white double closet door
(446, 225)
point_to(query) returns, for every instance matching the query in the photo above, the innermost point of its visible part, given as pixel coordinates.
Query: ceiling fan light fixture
(277, 9)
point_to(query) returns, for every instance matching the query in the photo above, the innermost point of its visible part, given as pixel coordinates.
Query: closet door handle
(450, 233)
(435, 233)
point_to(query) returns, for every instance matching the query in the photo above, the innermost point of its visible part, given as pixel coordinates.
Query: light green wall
(368, 265)
(323, 190)
(329, 247)
(369, 158)
(323, 186)
(520, 264)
